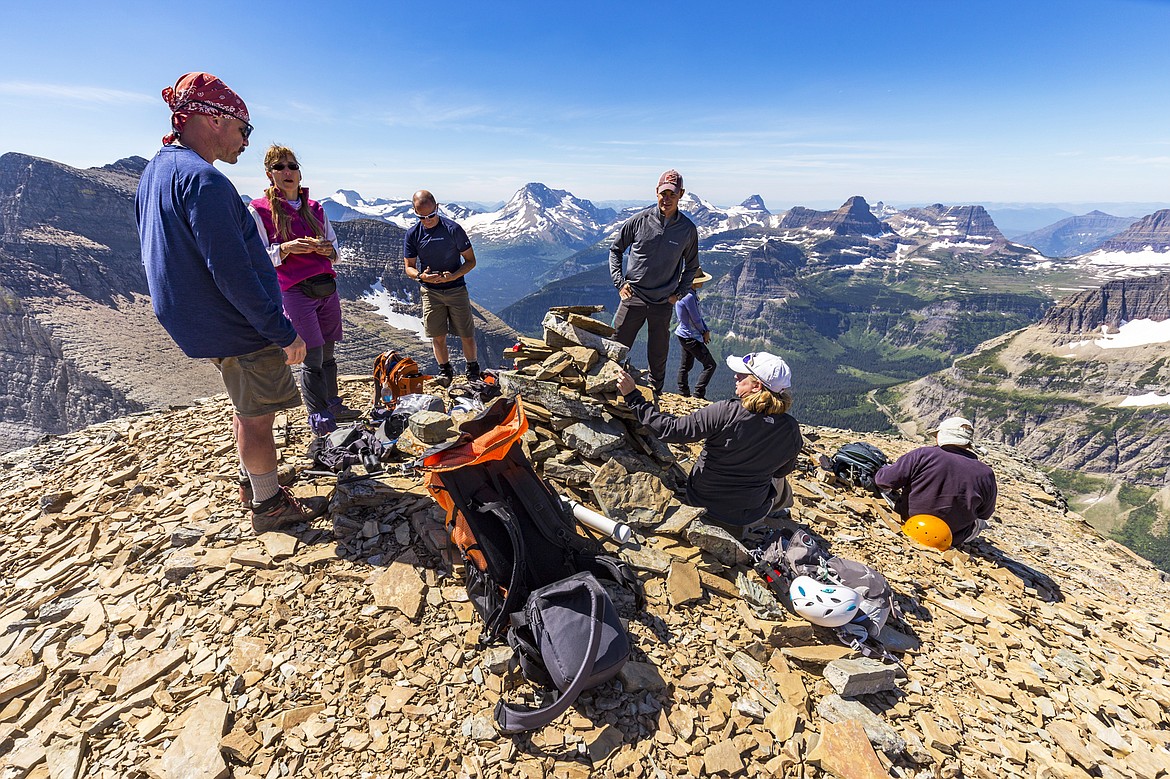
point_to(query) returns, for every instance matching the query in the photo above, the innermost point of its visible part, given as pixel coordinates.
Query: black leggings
(318, 377)
(695, 349)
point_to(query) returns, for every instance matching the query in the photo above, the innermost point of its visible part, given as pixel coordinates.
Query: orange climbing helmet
(929, 530)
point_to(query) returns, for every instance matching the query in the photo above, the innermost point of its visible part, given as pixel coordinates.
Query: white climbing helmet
(827, 605)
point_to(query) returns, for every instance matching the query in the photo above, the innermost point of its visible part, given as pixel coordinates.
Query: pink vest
(296, 267)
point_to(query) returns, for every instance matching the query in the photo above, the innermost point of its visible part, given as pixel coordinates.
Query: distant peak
(134, 165)
(754, 203)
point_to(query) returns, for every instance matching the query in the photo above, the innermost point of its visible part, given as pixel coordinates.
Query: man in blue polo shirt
(438, 255)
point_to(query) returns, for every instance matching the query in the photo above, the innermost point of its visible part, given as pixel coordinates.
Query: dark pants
(695, 349)
(318, 377)
(631, 314)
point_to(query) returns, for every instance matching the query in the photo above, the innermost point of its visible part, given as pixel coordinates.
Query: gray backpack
(568, 636)
(784, 559)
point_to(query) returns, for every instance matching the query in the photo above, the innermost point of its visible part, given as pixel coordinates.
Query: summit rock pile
(146, 632)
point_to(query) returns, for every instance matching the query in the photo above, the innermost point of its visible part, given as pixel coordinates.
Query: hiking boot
(286, 476)
(446, 375)
(473, 369)
(686, 391)
(283, 510)
(343, 413)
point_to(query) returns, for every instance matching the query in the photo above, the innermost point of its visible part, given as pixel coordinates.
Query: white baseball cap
(771, 370)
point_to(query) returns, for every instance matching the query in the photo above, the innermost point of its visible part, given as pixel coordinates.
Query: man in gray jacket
(664, 258)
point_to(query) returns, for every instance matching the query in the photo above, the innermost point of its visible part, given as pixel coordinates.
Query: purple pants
(316, 320)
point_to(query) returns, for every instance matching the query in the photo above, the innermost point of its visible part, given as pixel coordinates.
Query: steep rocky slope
(144, 631)
(1087, 390)
(1149, 232)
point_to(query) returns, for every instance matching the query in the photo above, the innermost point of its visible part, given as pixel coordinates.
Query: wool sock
(264, 485)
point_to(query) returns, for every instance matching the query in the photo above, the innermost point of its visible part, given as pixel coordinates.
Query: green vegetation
(1078, 483)
(1129, 517)
(1150, 377)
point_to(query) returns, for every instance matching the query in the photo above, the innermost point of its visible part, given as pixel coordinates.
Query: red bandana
(200, 93)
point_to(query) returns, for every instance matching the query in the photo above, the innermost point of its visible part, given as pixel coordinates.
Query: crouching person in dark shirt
(947, 481)
(749, 444)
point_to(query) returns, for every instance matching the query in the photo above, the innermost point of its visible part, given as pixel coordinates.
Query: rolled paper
(618, 531)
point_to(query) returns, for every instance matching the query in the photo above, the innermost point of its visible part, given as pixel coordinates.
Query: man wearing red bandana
(213, 286)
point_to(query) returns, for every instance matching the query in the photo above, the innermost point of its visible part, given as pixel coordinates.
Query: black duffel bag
(320, 286)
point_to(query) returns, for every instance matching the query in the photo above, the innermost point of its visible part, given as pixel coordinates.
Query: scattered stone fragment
(723, 758)
(844, 751)
(852, 677)
(593, 438)
(636, 676)
(682, 583)
(834, 708)
(719, 543)
(195, 752)
(400, 587)
(431, 427)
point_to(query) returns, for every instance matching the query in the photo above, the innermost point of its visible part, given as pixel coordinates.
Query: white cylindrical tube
(618, 531)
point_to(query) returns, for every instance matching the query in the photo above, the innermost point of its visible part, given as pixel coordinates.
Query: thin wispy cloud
(73, 92)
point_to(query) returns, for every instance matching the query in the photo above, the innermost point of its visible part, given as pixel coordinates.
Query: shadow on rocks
(1047, 589)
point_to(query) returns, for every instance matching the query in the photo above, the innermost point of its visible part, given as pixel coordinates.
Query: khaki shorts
(447, 311)
(258, 383)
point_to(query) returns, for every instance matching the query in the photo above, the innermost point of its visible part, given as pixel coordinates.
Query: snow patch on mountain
(390, 308)
(539, 214)
(1137, 332)
(1148, 257)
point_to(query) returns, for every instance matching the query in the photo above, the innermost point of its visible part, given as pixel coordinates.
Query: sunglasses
(282, 166)
(434, 213)
(245, 131)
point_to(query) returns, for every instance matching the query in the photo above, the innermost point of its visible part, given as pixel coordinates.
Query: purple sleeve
(896, 475)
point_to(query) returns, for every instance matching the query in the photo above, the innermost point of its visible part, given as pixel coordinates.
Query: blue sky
(805, 103)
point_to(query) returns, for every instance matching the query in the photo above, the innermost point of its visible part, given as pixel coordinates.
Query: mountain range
(873, 306)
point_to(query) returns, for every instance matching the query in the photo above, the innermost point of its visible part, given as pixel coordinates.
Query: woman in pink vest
(302, 245)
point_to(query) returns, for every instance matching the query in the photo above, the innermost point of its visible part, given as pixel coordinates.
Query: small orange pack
(395, 376)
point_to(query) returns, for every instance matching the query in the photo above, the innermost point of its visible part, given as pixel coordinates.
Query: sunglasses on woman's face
(282, 166)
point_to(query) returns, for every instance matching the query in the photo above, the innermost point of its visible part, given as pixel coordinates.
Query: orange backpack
(395, 376)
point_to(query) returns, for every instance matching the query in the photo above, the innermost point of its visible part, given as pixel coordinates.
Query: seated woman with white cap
(750, 442)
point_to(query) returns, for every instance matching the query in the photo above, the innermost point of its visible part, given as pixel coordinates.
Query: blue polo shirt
(438, 249)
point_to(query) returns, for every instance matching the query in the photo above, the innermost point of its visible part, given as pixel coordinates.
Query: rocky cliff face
(954, 226)
(60, 226)
(43, 391)
(1111, 305)
(1149, 232)
(852, 218)
(1060, 402)
(1075, 235)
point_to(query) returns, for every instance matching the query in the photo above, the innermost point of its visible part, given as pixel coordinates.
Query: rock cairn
(146, 632)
